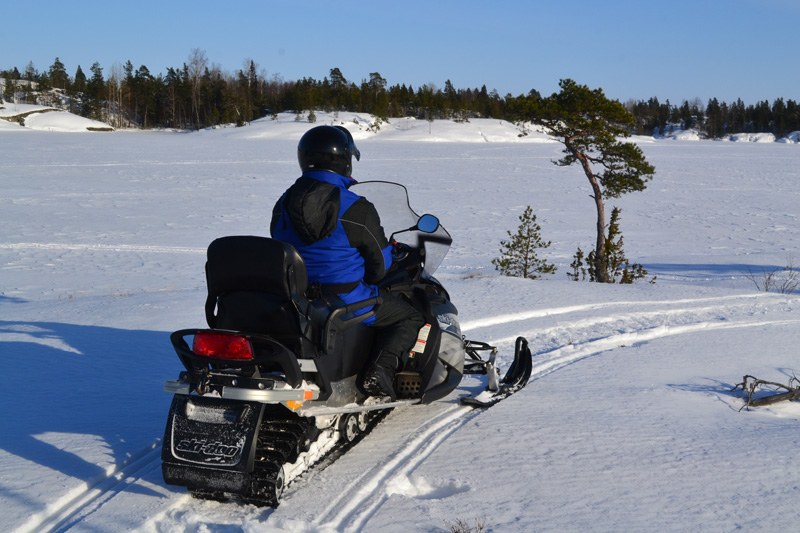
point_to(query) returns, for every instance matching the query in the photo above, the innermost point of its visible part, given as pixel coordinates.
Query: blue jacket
(336, 231)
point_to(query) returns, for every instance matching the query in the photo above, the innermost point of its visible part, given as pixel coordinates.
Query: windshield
(391, 202)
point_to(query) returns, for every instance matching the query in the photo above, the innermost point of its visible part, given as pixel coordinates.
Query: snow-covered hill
(44, 118)
(629, 422)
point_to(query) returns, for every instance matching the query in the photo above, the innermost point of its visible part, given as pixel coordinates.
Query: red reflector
(221, 345)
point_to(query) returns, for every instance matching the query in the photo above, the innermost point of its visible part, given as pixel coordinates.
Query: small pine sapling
(578, 270)
(519, 258)
(618, 265)
(618, 268)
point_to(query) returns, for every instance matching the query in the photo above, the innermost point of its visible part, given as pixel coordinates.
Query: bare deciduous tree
(198, 62)
(783, 280)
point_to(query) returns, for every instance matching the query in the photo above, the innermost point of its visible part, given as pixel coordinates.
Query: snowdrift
(45, 118)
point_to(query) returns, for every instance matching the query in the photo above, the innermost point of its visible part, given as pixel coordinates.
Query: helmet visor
(351, 144)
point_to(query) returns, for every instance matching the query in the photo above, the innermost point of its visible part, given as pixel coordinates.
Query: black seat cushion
(256, 284)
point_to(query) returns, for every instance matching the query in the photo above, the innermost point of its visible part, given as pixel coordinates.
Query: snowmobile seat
(259, 285)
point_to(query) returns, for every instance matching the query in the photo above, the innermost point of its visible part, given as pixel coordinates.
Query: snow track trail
(62, 514)
(356, 503)
(355, 492)
(344, 495)
(564, 335)
(560, 337)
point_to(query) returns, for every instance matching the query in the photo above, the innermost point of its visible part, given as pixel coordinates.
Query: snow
(629, 422)
(754, 137)
(45, 118)
(793, 137)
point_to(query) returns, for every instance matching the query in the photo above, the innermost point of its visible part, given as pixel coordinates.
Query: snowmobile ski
(515, 379)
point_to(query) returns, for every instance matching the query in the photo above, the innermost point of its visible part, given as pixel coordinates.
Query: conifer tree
(618, 265)
(95, 89)
(618, 268)
(79, 82)
(58, 75)
(578, 269)
(519, 257)
(588, 125)
(8, 88)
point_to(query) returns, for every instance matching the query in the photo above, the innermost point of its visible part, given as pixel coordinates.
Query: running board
(354, 408)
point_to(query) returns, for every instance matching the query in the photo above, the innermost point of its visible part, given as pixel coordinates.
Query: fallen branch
(750, 384)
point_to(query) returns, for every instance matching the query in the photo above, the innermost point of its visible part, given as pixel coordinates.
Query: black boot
(379, 377)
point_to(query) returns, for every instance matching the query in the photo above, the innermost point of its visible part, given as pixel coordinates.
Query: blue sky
(676, 49)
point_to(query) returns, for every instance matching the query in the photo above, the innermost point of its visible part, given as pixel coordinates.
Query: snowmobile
(272, 386)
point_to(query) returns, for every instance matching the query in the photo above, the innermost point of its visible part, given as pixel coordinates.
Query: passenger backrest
(257, 285)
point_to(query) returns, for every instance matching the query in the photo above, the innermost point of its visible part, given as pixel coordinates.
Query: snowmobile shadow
(82, 400)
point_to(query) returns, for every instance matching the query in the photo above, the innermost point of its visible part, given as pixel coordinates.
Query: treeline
(198, 95)
(716, 119)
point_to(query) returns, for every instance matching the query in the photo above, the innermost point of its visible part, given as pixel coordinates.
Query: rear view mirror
(428, 223)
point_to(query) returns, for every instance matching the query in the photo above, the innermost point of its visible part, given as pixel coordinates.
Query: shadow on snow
(692, 270)
(86, 387)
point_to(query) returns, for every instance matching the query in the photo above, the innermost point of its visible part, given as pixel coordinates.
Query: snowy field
(629, 422)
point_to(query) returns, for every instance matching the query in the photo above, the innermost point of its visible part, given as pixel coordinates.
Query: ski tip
(475, 403)
(484, 399)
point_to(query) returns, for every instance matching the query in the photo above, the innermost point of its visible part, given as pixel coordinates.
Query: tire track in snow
(642, 321)
(567, 355)
(358, 502)
(633, 321)
(92, 494)
(541, 313)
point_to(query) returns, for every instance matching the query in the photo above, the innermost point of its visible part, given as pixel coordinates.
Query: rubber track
(282, 438)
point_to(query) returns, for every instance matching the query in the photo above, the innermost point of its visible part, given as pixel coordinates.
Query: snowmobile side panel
(444, 374)
(443, 389)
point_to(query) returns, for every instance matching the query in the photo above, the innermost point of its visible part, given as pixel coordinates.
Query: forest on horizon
(199, 95)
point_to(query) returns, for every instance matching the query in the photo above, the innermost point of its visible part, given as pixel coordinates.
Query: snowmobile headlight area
(222, 345)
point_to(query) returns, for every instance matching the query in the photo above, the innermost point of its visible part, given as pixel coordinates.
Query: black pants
(398, 324)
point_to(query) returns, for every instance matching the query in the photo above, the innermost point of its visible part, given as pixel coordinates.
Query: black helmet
(327, 148)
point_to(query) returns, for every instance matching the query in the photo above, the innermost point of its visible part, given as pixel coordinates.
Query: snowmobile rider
(339, 235)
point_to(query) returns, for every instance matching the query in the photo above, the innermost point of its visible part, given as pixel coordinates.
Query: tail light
(222, 345)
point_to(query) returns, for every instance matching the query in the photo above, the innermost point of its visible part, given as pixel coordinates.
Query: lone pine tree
(589, 126)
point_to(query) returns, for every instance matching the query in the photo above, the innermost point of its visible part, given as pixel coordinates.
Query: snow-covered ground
(629, 422)
(44, 118)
